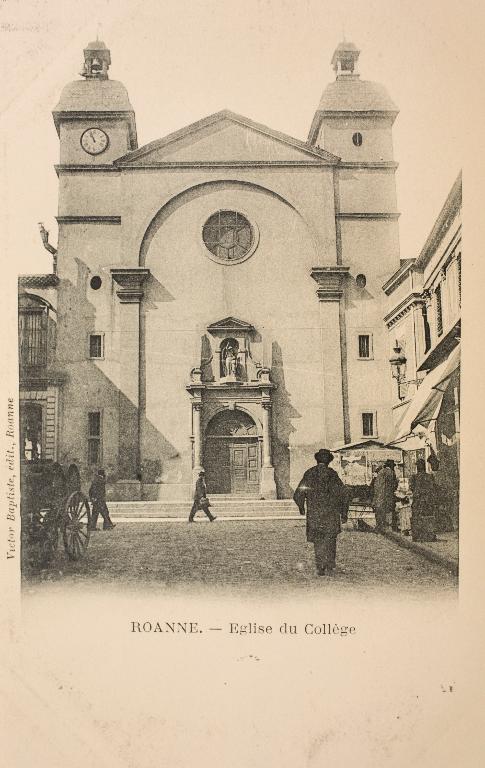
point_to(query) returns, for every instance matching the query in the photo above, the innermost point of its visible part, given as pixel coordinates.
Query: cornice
(190, 164)
(337, 113)
(405, 306)
(361, 215)
(78, 168)
(182, 165)
(235, 388)
(84, 114)
(443, 223)
(88, 219)
(378, 165)
(398, 277)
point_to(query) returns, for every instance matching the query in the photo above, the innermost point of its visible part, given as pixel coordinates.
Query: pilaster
(129, 290)
(330, 291)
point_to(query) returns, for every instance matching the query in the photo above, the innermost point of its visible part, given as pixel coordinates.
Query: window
(33, 338)
(96, 345)
(361, 281)
(365, 346)
(96, 283)
(427, 329)
(94, 437)
(368, 424)
(439, 311)
(228, 235)
(357, 139)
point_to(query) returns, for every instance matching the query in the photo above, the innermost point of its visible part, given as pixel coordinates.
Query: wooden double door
(232, 465)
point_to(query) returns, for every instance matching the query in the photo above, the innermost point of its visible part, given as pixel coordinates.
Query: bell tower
(355, 117)
(94, 118)
(354, 121)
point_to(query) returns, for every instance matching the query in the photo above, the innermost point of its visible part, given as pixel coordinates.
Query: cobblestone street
(241, 556)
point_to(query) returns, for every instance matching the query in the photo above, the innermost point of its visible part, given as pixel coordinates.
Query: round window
(95, 282)
(228, 235)
(361, 281)
(357, 139)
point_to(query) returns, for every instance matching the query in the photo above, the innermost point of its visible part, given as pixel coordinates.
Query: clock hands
(94, 141)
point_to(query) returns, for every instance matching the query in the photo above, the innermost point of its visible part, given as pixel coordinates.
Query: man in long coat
(384, 500)
(200, 499)
(326, 504)
(97, 494)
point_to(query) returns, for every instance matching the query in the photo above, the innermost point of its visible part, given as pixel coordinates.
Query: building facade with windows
(219, 301)
(39, 378)
(424, 326)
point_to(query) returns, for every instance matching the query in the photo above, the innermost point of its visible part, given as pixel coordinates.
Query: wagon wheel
(75, 525)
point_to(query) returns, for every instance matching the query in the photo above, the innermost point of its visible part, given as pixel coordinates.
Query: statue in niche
(230, 358)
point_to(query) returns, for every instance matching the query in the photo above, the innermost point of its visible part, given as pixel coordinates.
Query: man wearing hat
(200, 499)
(97, 494)
(326, 503)
(384, 500)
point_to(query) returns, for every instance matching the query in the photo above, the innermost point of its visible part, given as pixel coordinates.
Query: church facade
(219, 298)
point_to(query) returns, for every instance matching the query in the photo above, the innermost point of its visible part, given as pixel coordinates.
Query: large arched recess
(208, 188)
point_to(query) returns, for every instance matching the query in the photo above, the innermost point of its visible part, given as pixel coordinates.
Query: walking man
(97, 494)
(200, 499)
(326, 503)
(384, 500)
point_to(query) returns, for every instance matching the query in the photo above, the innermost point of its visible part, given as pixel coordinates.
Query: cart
(52, 506)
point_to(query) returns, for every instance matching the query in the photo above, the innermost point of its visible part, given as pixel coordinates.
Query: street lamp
(398, 368)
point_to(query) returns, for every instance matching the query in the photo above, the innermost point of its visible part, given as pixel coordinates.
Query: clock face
(94, 141)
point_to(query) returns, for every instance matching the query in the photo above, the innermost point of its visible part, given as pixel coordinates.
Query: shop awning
(424, 405)
(453, 364)
(431, 408)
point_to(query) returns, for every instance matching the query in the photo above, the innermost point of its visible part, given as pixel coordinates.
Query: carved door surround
(247, 388)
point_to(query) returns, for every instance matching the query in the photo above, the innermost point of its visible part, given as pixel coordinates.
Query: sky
(266, 59)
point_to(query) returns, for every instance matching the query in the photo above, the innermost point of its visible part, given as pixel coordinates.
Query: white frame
(364, 332)
(374, 422)
(95, 333)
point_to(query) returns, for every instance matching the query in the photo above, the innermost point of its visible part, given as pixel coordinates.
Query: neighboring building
(424, 325)
(219, 297)
(39, 378)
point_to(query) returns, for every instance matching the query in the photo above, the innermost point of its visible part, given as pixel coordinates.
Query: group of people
(323, 498)
(326, 499)
(427, 513)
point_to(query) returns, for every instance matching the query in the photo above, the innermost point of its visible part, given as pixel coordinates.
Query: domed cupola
(352, 112)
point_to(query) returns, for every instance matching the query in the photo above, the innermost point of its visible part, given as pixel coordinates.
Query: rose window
(228, 235)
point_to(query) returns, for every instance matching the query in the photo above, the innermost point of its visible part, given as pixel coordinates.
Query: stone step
(219, 507)
(227, 508)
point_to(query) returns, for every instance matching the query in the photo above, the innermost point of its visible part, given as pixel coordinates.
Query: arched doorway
(232, 454)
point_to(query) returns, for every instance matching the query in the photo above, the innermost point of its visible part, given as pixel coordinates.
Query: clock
(94, 141)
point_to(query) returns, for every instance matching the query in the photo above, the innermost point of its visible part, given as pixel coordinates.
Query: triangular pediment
(230, 324)
(226, 138)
